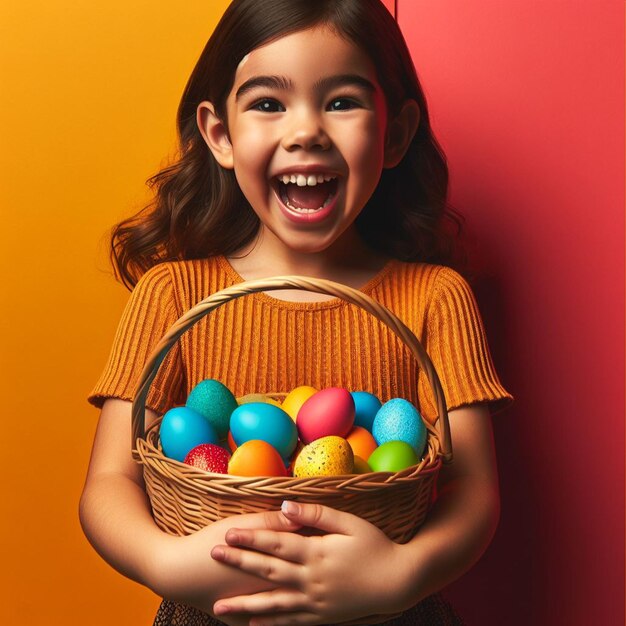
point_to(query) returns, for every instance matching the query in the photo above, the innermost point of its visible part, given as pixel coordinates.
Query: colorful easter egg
(392, 456)
(361, 441)
(366, 406)
(257, 397)
(399, 420)
(361, 466)
(209, 457)
(182, 429)
(258, 420)
(256, 458)
(215, 401)
(327, 412)
(296, 398)
(328, 456)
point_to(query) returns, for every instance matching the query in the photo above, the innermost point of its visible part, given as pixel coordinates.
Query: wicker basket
(185, 499)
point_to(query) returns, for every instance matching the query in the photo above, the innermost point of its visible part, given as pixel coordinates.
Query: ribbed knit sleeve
(149, 313)
(457, 345)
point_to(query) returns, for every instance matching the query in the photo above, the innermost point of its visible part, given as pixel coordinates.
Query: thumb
(318, 516)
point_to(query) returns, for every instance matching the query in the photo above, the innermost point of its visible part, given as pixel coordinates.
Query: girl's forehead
(304, 54)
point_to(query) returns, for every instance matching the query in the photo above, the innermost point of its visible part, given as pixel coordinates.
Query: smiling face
(305, 136)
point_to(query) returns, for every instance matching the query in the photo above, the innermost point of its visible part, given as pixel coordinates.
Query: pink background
(527, 99)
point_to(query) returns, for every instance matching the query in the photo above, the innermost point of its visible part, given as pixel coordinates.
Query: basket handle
(441, 429)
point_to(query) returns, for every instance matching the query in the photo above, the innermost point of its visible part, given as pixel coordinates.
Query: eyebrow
(285, 84)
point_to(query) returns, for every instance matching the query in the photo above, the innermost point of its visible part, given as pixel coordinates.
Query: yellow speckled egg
(296, 398)
(327, 456)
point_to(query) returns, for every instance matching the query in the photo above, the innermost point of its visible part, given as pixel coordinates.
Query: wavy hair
(198, 209)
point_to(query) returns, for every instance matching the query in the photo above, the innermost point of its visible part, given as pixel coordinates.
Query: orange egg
(361, 441)
(231, 442)
(256, 458)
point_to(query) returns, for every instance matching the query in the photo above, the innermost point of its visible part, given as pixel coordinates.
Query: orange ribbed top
(259, 343)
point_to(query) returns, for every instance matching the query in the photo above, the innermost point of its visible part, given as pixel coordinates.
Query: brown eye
(268, 106)
(342, 104)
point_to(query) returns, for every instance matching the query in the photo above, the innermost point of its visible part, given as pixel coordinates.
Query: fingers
(282, 601)
(272, 520)
(264, 566)
(319, 516)
(283, 545)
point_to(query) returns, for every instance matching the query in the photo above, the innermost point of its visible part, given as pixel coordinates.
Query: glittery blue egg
(215, 401)
(366, 406)
(399, 420)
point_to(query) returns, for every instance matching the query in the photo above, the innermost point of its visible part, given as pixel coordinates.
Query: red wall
(527, 99)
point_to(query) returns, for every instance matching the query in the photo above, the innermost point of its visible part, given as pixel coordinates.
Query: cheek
(252, 156)
(366, 155)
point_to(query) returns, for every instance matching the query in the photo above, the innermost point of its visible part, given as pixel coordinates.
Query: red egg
(327, 412)
(209, 457)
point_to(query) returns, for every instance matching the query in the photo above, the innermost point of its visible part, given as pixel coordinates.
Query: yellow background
(87, 108)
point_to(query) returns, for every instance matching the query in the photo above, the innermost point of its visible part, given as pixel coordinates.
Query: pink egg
(327, 412)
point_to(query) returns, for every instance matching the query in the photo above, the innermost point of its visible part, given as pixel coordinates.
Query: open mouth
(307, 193)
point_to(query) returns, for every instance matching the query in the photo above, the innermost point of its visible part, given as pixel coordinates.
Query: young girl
(305, 149)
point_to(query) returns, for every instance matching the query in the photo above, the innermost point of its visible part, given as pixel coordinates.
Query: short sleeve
(456, 343)
(149, 313)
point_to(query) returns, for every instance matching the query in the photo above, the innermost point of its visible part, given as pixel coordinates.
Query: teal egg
(399, 420)
(366, 406)
(215, 402)
(181, 430)
(392, 456)
(259, 420)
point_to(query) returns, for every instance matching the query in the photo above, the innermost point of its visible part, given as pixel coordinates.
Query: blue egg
(259, 420)
(182, 429)
(366, 405)
(399, 420)
(215, 402)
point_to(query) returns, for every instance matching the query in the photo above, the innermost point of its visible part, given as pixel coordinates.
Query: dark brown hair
(199, 210)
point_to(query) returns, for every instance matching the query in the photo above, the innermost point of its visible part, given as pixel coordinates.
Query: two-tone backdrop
(527, 99)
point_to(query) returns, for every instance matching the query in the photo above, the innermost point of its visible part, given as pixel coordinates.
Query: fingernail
(290, 507)
(220, 609)
(218, 553)
(232, 536)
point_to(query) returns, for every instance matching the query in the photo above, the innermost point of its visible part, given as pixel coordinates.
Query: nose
(306, 132)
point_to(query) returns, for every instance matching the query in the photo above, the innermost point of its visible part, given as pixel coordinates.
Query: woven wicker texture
(185, 499)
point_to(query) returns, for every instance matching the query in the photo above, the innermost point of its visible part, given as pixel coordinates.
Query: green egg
(215, 402)
(392, 456)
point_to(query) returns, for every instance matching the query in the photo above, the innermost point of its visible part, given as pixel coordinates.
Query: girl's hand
(185, 572)
(351, 571)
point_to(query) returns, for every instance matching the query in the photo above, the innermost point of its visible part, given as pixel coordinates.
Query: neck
(351, 263)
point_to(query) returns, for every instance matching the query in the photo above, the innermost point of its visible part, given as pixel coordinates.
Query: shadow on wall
(502, 572)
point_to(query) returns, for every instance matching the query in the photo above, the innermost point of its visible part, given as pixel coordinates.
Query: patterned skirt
(432, 611)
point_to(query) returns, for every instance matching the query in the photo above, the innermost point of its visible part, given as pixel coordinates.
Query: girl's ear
(400, 133)
(215, 133)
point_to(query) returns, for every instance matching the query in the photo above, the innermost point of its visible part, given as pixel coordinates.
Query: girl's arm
(354, 571)
(116, 518)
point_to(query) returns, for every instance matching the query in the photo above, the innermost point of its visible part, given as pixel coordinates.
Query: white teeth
(303, 180)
